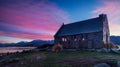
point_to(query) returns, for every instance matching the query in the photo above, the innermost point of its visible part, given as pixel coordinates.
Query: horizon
(34, 40)
(40, 19)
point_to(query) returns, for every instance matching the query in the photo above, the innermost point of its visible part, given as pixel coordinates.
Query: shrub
(113, 45)
(57, 48)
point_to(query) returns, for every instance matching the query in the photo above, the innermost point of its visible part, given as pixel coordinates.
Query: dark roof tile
(86, 26)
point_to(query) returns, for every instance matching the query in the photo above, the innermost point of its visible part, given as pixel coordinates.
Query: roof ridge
(81, 21)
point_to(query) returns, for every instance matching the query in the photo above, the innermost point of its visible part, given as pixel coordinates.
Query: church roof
(81, 27)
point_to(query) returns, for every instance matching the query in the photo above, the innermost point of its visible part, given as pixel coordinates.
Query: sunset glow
(26, 20)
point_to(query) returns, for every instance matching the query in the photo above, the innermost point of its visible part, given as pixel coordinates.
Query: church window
(83, 38)
(64, 39)
(75, 39)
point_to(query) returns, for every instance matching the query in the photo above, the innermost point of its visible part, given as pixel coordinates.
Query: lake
(14, 49)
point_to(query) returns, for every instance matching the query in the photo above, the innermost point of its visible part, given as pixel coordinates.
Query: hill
(115, 39)
(33, 43)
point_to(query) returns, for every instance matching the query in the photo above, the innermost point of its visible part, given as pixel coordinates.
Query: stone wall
(81, 41)
(106, 33)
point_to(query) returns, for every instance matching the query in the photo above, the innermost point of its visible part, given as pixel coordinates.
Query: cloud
(7, 39)
(115, 29)
(4, 41)
(112, 9)
(34, 19)
(27, 35)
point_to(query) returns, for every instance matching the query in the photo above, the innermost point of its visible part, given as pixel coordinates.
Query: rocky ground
(61, 59)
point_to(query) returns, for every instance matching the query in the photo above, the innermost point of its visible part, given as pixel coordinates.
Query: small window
(64, 39)
(83, 38)
(75, 39)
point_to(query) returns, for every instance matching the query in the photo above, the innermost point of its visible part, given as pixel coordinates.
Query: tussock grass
(61, 59)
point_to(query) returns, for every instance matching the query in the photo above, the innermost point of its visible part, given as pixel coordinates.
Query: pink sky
(36, 21)
(27, 20)
(112, 9)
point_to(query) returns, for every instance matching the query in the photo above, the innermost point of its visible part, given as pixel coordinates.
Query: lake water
(14, 49)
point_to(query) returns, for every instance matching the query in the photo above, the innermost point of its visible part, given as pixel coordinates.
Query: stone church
(87, 34)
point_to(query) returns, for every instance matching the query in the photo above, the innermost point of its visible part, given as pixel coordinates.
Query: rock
(115, 51)
(21, 63)
(118, 64)
(101, 65)
(104, 50)
(38, 58)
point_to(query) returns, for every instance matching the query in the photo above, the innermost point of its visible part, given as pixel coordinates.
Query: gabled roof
(86, 26)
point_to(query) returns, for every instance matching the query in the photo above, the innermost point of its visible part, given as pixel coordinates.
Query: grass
(61, 59)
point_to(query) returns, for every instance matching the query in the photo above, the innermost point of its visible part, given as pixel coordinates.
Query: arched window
(64, 39)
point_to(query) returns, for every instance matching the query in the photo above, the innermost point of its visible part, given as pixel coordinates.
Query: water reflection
(14, 49)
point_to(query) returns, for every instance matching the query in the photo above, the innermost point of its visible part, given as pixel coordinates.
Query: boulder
(115, 51)
(38, 58)
(104, 50)
(101, 65)
(118, 64)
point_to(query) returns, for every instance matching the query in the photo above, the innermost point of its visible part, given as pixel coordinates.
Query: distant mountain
(115, 39)
(23, 44)
(7, 44)
(39, 42)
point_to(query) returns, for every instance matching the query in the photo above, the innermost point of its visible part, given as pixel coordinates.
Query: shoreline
(5, 50)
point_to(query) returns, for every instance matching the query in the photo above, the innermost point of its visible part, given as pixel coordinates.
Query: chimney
(63, 23)
(103, 17)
